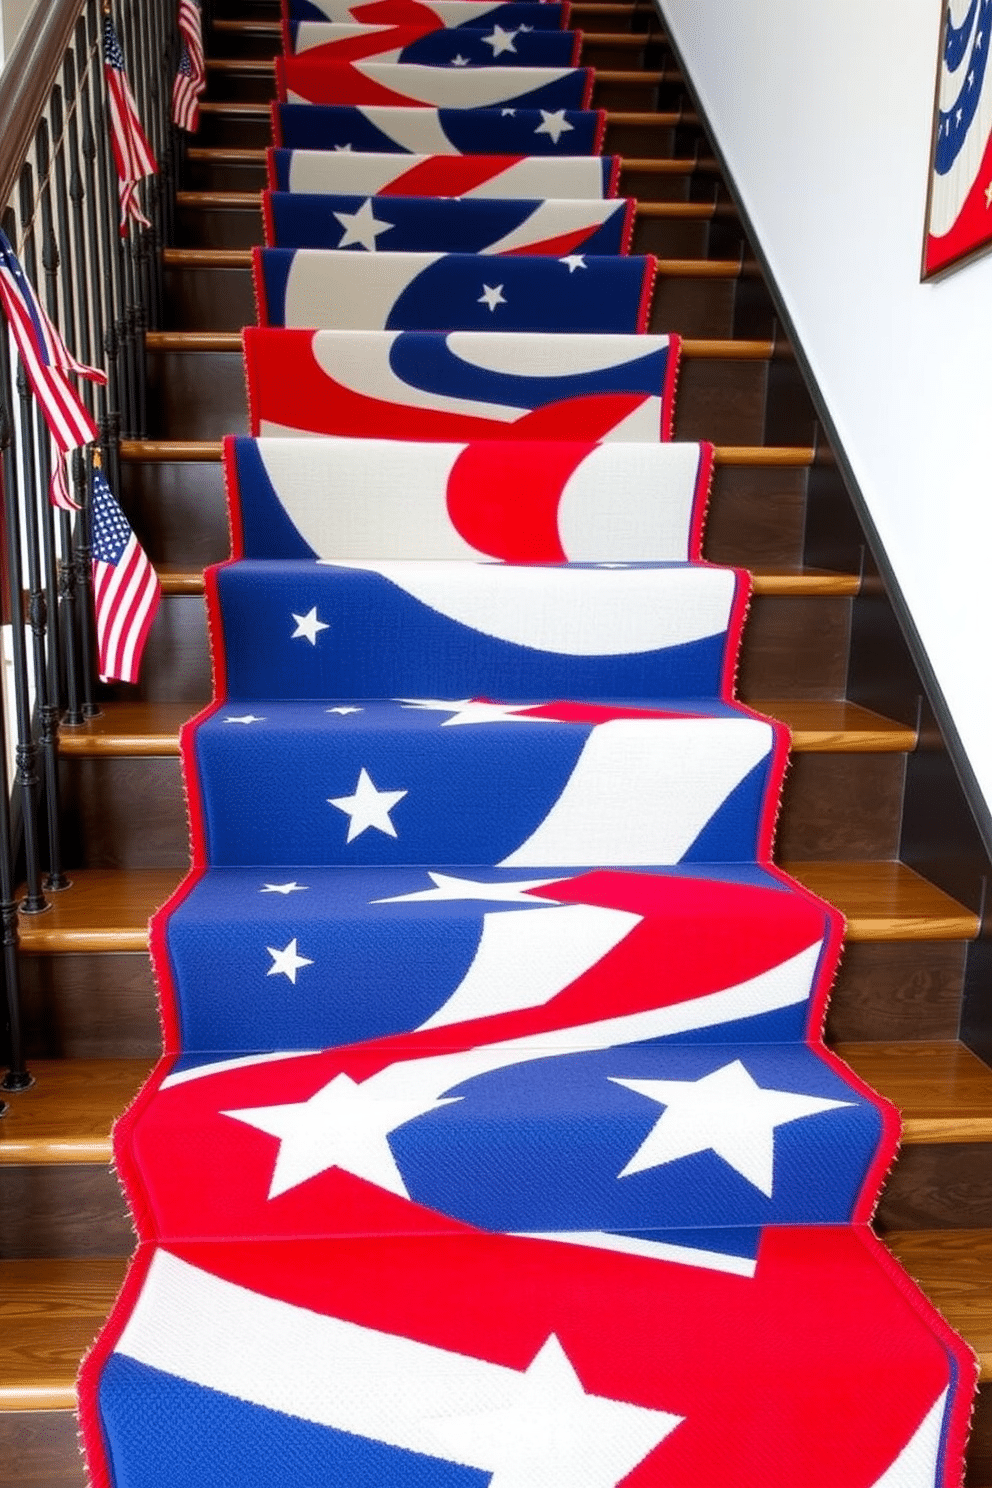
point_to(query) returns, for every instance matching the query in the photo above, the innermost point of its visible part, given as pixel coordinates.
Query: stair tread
(108, 909)
(207, 450)
(241, 258)
(152, 728)
(51, 1310)
(942, 1090)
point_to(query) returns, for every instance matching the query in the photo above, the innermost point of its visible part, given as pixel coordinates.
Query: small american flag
(126, 590)
(133, 155)
(47, 362)
(191, 79)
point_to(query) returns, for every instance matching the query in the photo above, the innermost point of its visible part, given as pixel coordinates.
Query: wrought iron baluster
(67, 568)
(42, 621)
(106, 183)
(25, 751)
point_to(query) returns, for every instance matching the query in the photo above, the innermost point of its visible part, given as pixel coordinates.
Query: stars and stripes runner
(495, 1143)
(132, 152)
(191, 77)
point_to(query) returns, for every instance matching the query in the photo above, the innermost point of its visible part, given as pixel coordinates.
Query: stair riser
(202, 393)
(104, 1006)
(55, 1210)
(754, 518)
(129, 813)
(222, 299)
(176, 666)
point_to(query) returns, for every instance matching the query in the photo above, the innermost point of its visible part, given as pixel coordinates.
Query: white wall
(823, 112)
(13, 14)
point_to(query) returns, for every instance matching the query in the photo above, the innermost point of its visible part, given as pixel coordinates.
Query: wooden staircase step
(693, 349)
(264, 67)
(152, 728)
(942, 1090)
(50, 1311)
(108, 909)
(67, 1114)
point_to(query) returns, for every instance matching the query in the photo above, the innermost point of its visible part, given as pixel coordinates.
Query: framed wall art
(959, 199)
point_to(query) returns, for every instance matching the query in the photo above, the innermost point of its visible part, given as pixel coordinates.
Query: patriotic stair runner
(494, 1142)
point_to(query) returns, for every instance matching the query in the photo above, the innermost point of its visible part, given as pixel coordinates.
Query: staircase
(867, 793)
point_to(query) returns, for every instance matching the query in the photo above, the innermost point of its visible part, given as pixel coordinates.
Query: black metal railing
(102, 289)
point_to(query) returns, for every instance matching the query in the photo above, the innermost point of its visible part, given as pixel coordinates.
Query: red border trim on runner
(232, 494)
(270, 167)
(613, 180)
(600, 135)
(587, 90)
(268, 225)
(94, 1443)
(672, 367)
(577, 47)
(647, 294)
(629, 220)
(258, 286)
(700, 502)
(735, 630)
(280, 76)
(275, 118)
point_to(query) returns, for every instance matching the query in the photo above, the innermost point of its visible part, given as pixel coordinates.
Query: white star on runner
(361, 227)
(507, 113)
(343, 711)
(446, 886)
(286, 888)
(549, 1430)
(345, 1125)
(724, 1112)
(554, 124)
(492, 295)
(467, 710)
(574, 261)
(286, 962)
(244, 718)
(308, 627)
(343, 147)
(500, 41)
(368, 807)
(459, 61)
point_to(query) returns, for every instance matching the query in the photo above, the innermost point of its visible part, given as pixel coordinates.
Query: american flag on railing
(47, 362)
(126, 589)
(133, 154)
(191, 79)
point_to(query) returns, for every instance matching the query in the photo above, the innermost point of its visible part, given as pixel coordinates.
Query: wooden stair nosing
(703, 349)
(943, 1091)
(665, 268)
(129, 729)
(108, 910)
(68, 1301)
(640, 117)
(221, 155)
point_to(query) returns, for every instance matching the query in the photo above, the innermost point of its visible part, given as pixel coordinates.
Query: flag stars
(500, 40)
(286, 962)
(245, 718)
(459, 61)
(285, 888)
(492, 295)
(555, 124)
(508, 113)
(368, 807)
(574, 261)
(725, 1112)
(308, 627)
(362, 227)
(344, 711)
(341, 148)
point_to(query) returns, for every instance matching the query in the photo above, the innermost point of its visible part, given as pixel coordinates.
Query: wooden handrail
(27, 79)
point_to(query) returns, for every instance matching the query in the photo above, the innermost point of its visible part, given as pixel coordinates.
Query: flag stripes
(132, 152)
(191, 79)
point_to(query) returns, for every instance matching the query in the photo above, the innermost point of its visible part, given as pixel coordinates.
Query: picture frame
(958, 222)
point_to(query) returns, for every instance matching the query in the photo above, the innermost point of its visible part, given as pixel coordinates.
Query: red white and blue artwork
(559, 132)
(461, 385)
(959, 207)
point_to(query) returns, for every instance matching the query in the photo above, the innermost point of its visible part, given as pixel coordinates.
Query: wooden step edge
(578, 9)
(108, 909)
(240, 258)
(240, 201)
(266, 66)
(623, 39)
(221, 155)
(146, 730)
(157, 451)
(642, 118)
(943, 1091)
(698, 349)
(53, 1309)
